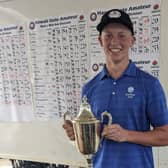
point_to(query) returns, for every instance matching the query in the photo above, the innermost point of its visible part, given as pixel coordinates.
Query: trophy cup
(87, 130)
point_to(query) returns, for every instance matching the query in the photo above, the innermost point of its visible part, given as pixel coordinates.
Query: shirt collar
(104, 73)
(130, 71)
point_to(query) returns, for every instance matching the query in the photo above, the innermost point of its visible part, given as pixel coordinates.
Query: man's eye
(109, 36)
(122, 36)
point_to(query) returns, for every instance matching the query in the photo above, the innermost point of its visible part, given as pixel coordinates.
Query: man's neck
(117, 69)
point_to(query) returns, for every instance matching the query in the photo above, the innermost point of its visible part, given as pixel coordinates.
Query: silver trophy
(87, 130)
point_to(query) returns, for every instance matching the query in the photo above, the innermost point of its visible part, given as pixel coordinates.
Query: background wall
(41, 141)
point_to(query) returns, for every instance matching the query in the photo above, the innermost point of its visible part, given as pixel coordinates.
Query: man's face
(116, 39)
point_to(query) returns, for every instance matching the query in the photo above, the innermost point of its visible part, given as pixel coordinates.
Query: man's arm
(156, 137)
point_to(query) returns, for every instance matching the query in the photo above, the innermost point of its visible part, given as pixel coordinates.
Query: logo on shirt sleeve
(130, 92)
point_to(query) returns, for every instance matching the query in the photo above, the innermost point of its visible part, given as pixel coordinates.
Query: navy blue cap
(115, 16)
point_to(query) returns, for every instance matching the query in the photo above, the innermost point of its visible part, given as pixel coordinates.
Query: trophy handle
(105, 113)
(67, 114)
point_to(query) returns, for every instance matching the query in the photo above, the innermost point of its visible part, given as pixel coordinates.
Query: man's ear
(133, 41)
(100, 40)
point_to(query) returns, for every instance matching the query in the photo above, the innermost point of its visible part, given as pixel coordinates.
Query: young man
(134, 98)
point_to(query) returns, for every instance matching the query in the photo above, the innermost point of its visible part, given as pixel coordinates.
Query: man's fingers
(68, 126)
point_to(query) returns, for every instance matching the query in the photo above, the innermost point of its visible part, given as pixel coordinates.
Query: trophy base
(89, 161)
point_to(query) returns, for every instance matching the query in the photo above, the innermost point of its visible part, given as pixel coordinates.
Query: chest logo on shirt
(130, 92)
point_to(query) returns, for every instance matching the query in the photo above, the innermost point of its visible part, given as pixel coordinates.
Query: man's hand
(115, 132)
(68, 126)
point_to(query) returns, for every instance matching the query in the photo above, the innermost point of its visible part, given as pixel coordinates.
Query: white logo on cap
(114, 14)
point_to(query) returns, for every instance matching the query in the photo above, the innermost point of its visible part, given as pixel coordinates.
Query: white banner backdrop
(44, 64)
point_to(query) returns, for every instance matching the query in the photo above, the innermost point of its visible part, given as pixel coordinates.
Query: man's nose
(114, 41)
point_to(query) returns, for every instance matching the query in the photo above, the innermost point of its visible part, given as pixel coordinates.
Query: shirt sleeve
(157, 105)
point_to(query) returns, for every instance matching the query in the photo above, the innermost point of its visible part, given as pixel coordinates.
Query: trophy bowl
(87, 136)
